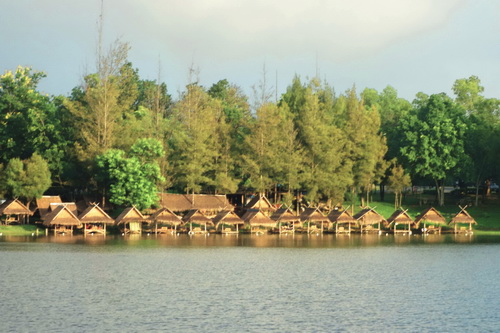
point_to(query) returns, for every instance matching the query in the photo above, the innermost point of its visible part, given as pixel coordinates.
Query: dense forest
(124, 138)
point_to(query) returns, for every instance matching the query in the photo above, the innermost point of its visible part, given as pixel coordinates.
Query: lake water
(250, 283)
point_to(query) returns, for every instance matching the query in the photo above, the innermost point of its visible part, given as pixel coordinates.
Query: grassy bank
(20, 230)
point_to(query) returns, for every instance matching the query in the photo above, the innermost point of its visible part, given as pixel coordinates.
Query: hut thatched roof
(463, 217)
(165, 215)
(185, 202)
(260, 202)
(71, 206)
(95, 214)
(285, 214)
(256, 218)
(130, 214)
(430, 215)
(313, 215)
(401, 217)
(227, 217)
(369, 216)
(14, 207)
(43, 203)
(61, 215)
(341, 217)
(195, 216)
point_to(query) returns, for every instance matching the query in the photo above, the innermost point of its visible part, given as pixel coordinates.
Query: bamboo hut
(314, 218)
(258, 221)
(94, 220)
(369, 220)
(165, 221)
(227, 222)
(343, 220)
(194, 216)
(43, 204)
(130, 221)
(286, 220)
(400, 218)
(61, 220)
(462, 217)
(209, 204)
(260, 202)
(14, 211)
(432, 221)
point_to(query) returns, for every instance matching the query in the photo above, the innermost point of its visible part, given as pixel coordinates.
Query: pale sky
(412, 45)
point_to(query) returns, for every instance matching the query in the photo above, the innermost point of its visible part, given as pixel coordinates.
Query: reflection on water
(249, 283)
(245, 240)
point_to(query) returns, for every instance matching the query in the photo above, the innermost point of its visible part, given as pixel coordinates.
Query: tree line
(126, 138)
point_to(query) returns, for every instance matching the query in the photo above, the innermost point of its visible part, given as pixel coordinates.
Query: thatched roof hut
(368, 218)
(285, 214)
(255, 218)
(130, 220)
(430, 215)
(312, 214)
(203, 202)
(71, 206)
(16, 208)
(60, 219)
(462, 217)
(130, 214)
(314, 217)
(227, 217)
(43, 203)
(196, 216)
(400, 217)
(165, 216)
(95, 215)
(260, 202)
(341, 218)
(95, 220)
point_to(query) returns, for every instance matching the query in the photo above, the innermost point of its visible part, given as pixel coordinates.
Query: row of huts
(213, 213)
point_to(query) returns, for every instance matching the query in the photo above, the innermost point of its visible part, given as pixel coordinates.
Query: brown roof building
(462, 217)
(15, 211)
(61, 219)
(368, 218)
(343, 220)
(256, 219)
(95, 219)
(43, 203)
(130, 221)
(432, 217)
(204, 202)
(400, 217)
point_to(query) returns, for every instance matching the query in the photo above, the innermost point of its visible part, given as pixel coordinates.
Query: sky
(412, 45)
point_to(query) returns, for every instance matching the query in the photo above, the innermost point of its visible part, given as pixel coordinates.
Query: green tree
(27, 179)
(322, 141)
(194, 133)
(482, 144)
(434, 138)
(30, 122)
(131, 180)
(102, 102)
(233, 126)
(397, 181)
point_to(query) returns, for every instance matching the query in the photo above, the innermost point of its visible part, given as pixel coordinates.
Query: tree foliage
(27, 179)
(433, 139)
(131, 180)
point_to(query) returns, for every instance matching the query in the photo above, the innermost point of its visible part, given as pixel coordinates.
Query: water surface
(250, 283)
